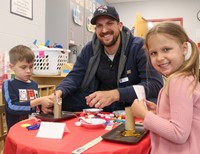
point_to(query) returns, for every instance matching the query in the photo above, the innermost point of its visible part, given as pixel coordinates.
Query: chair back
(3, 128)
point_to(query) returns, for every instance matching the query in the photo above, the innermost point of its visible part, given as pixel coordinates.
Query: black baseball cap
(104, 10)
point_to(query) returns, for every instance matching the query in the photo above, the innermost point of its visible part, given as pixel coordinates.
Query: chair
(3, 128)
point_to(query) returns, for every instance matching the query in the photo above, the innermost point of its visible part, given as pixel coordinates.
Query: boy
(21, 93)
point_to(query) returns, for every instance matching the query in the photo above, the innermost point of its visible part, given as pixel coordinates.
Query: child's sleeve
(11, 98)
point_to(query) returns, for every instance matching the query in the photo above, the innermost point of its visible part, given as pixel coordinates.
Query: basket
(48, 61)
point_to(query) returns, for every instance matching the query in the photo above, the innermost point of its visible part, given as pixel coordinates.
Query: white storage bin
(48, 61)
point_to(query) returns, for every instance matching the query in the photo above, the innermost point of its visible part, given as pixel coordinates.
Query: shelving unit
(46, 83)
(45, 90)
(47, 80)
(1, 97)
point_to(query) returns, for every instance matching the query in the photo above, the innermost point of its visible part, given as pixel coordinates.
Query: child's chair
(3, 127)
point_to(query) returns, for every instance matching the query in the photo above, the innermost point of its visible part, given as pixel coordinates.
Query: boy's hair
(20, 53)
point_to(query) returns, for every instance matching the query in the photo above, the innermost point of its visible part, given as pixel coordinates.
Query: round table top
(20, 140)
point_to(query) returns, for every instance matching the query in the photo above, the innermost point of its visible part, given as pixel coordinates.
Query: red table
(21, 141)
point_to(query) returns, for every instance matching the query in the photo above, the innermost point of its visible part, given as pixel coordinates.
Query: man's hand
(100, 99)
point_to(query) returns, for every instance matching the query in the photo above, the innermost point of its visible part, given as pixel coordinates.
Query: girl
(175, 126)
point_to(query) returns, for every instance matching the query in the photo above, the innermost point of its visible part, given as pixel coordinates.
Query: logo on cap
(102, 9)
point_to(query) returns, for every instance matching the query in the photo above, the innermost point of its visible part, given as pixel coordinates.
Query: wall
(152, 9)
(16, 30)
(61, 28)
(57, 22)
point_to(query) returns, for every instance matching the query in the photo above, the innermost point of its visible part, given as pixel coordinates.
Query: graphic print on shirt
(27, 94)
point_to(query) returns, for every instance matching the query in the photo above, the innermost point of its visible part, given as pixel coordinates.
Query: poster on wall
(77, 16)
(23, 8)
(90, 27)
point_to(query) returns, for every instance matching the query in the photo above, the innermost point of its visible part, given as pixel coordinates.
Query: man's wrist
(116, 95)
(59, 93)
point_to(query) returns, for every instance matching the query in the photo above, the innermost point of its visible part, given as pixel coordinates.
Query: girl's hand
(139, 109)
(151, 106)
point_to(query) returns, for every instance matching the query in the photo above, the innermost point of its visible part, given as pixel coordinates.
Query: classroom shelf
(45, 90)
(47, 80)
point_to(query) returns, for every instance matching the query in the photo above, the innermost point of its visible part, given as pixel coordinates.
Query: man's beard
(111, 43)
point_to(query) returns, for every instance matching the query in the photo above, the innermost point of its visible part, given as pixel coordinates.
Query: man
(107, 68)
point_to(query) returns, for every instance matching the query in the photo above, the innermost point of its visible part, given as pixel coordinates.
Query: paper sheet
(140, 92)
(51, 130)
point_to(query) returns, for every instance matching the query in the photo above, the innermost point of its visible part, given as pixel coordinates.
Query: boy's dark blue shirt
(17, 95)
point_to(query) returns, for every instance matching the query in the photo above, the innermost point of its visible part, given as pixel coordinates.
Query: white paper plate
(92, 110)
(93, 123)
(119, 113)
